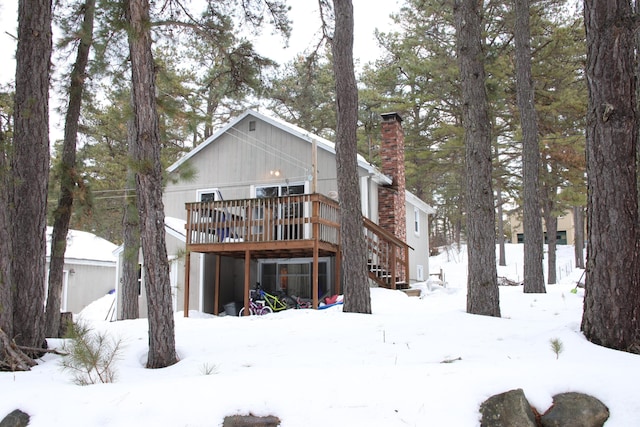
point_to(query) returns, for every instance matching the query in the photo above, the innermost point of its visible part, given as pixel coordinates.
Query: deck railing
(293, 218)
(263, 220)
(388, 257)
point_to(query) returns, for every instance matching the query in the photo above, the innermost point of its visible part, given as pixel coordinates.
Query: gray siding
(241, 159)
(86, 283)
(419, 241)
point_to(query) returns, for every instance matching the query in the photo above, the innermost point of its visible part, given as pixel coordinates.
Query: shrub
(91, 355)
(556, 346)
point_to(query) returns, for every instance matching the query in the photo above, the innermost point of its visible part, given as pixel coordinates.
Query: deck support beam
(216, 288)
(247, 279)
(338, 278)
(187, 270)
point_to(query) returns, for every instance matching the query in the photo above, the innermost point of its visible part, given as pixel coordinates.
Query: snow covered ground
(328, 368)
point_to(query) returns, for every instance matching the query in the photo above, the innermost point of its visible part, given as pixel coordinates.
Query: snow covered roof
(176, 227)
(85, 247)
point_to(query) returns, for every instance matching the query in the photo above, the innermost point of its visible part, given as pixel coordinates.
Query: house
(564, 236)
(89, 270)
(260, 206)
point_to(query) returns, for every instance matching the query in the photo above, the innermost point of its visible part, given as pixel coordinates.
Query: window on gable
(208, 195)
(252, 125)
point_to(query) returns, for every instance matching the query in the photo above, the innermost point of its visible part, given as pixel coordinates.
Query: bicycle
(275, 302)
(301, 303)
(256, 308)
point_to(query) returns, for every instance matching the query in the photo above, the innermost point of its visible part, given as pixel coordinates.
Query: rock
(250, 421)
(575, 410)
(509, 409)
(17, 418)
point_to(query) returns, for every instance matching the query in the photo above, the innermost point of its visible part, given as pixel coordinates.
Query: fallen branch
(451, 360)
(12, 358)
(42, 350)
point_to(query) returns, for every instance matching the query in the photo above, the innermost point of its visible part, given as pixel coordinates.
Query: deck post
(393, 267)
(338, 278)
(407, 273)
(315, 274)
(187, 269)
(247, 273)
(216, 288)
(316, 243)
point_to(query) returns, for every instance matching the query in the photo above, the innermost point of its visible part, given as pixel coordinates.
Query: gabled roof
(175, 227)
(321, 143)
(415, 201)
(85, 247)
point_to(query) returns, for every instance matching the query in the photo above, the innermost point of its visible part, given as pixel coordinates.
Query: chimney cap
(387, 117)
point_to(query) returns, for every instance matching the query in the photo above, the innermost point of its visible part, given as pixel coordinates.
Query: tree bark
(551, 223)
(68, 175)
(532, 221)
(612, 298)
(30, 170)
(357, 298)
(578, 239)
(162, 351)
(6, 293)
(130, 286)
(502, 255)
(482, 287)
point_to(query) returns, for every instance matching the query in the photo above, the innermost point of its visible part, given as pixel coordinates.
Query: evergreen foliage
(91, 356)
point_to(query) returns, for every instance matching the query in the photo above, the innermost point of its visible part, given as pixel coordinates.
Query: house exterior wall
(86, 282)
(240, 158)
(565, 223)
(176, 255)
(235, 167)
(419, 241)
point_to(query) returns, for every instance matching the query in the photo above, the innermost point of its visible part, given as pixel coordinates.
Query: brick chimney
(392, 211)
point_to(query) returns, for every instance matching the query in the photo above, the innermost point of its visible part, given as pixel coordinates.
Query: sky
(368, 15)
(325, 367)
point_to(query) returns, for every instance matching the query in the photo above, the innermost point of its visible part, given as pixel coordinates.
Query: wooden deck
(270, 228)
(299, 226)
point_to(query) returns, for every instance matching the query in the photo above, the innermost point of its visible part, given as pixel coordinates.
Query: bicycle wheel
(265, 310)
(241, 313)
(289, 302)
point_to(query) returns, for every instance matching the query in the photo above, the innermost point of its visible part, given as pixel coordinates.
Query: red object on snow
(331, 300)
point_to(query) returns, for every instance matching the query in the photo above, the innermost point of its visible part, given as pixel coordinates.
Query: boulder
(250, 421)
(16, 418)
(509, 409)
(575, 410)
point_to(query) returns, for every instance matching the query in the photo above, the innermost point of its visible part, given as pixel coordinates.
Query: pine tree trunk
(30, 170)
(502, 256)
(162, 351)
(68, 175)
(6, 294)
(129, 304)
(532, 224)
(357, 297)
(551, 223)
(612, 298)
(482, 287)
(578, 237)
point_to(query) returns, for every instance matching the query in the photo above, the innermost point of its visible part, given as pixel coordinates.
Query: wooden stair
(388, 257)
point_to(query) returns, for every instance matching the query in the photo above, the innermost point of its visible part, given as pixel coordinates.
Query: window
(289, 227)
(252, 125)
(208, 195)
(416, 221)
(293, 277)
